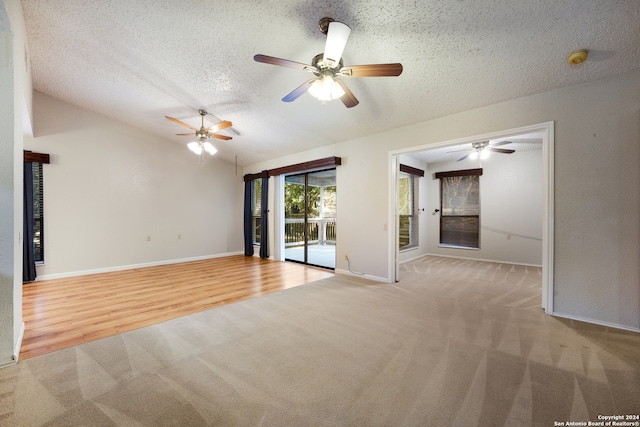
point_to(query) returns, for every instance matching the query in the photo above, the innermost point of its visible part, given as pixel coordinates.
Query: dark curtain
(28, 258)
(264, 220)
(248, 218)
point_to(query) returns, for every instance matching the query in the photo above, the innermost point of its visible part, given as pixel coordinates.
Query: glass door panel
(294, 218)
(310, 218)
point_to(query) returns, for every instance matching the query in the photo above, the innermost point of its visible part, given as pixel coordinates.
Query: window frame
(413, 175)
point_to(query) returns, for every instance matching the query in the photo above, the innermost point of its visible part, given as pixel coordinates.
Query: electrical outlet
(346, 257)
(179, 236)
(148, 237)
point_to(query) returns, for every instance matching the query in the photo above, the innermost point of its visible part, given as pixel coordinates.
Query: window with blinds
(460, 208)
(256, 209)
(38, 214)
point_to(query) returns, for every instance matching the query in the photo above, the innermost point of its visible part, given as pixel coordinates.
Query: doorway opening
(310, 218)
(544, 133)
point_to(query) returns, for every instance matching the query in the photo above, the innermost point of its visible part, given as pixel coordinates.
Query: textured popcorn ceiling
(139, 60)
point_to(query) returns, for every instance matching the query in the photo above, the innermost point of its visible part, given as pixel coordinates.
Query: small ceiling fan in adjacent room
(328, 68)
(201, 145)
(481, 150)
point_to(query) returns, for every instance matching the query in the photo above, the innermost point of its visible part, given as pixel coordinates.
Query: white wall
(597, 203)
(110, 185)
(511, 200)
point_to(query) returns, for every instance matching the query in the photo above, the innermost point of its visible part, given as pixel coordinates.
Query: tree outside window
(407, 211)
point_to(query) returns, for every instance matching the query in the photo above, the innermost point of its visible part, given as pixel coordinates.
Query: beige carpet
(454, 343)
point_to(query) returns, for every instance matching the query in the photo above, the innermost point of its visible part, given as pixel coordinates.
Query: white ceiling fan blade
(337, 36)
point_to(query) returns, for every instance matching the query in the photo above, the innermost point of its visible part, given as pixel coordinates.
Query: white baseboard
(414, 258)
(132, 266)
(478, 259)
(6, 365)
(596, 322)
(364, 276)
(16, 349)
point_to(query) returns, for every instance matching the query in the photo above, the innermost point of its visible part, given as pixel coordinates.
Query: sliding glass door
(310, 218)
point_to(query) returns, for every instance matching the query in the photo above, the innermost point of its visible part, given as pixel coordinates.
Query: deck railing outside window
(256, 229)
(320, 231)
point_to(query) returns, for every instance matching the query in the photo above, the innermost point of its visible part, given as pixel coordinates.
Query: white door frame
(278, 217)
(547, 130)
(395, 172)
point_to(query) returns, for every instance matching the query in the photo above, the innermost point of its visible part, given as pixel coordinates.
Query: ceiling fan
(203, 134)
(328, 66)
(481, 149)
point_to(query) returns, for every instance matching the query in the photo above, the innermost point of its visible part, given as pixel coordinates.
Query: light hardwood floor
(62, 313)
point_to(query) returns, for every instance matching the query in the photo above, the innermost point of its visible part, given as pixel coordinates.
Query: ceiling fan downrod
(324, 24)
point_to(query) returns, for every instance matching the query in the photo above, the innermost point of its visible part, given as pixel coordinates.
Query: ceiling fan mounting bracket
(324, 24)
(318, 63)
(202, 112)
(479, 145)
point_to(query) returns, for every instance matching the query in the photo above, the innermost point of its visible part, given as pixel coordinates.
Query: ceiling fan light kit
(479, 153)
(200, 147)
(328, 67)
(326, 89)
